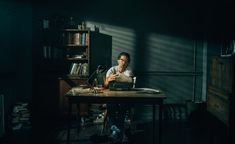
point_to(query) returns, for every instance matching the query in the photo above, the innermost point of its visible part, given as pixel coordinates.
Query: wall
(167, 40)
(15, 52)
(170, 42)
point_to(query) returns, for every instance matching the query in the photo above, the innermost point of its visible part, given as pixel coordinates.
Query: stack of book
(21, 117)
(79, 69)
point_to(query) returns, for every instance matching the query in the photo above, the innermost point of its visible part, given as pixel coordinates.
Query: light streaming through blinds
(161, 61)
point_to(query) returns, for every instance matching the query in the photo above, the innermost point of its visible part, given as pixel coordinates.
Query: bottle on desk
(134, 81)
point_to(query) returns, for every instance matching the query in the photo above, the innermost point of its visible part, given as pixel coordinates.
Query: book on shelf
(75, 68)
(76, 39)
(84, 70)
(79, 69)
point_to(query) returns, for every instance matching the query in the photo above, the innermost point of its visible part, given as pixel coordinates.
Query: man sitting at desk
(117, 112)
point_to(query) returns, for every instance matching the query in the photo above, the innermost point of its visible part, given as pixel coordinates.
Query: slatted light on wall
(123, 39)
(169, 62)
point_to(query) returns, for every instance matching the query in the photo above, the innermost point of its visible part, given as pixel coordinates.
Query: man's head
(123, 60)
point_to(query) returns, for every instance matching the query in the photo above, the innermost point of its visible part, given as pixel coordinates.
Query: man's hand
(112, 77)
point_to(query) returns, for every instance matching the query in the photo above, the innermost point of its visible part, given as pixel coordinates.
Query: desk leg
(69, 122)
(160, 124)
(154, 127)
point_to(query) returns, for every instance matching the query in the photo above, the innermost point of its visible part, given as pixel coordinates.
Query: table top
(137, 95)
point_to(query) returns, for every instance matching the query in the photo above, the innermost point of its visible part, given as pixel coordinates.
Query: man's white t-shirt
(125, 76)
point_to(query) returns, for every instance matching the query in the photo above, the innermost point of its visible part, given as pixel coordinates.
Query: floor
(178, 128)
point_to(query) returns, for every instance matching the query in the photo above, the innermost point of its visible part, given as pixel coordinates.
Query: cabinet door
(221, 88)
(218, 105)
(64, 86)
(222, 74)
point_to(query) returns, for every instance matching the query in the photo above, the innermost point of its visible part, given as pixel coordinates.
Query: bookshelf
(70, 53)
(76, 46)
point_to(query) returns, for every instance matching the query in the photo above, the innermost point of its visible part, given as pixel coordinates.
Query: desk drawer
(218, 106)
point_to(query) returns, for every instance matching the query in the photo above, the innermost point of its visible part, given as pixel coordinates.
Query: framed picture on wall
(227, 47)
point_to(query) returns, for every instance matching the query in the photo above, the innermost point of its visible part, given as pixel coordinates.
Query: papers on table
(146, 90)
(79, 90)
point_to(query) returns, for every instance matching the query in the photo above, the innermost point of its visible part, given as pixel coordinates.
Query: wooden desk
(66, 84)
(130, 97)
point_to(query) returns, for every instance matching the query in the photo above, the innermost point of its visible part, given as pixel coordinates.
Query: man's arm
(108, 79)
